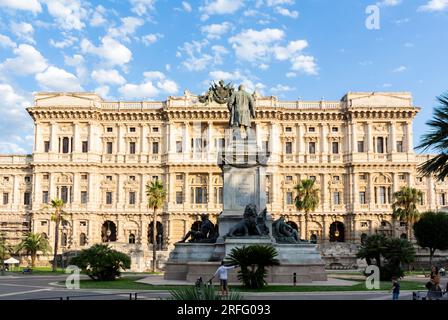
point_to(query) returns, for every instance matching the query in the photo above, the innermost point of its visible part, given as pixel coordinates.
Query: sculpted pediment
(378, 99)
(67, 99)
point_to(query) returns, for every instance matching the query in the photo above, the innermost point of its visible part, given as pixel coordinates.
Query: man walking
(222, 274)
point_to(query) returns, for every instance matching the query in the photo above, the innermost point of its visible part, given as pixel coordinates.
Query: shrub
(204, 292)
(102, 263)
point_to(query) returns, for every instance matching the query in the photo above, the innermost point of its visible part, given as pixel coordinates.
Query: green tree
(389, 254)
(156, 197)
(57, 217)
(431, 232)
(253, 261)
(307, 199)
(3, 252)
(102, 263)
(33, 243)
(405, 206)
(437, 139)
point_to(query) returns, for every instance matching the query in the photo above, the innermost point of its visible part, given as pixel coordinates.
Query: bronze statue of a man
(242, 109)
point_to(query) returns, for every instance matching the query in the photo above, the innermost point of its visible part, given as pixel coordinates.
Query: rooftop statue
(219, 93)
(242, 110)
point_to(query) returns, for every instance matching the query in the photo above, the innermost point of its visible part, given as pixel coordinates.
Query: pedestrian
(223, 277)
(395, 289)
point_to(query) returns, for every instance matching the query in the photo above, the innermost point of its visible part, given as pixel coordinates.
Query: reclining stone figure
(252, 224)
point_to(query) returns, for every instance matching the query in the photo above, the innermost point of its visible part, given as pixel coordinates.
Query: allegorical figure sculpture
(242, 110)
(283, 232)
(206, 233)
(252, 224)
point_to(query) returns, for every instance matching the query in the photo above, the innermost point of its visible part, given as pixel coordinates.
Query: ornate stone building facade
(98, 156)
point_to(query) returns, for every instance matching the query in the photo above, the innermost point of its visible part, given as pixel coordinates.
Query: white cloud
(141, 7)
(305, 64)
(103, 92)
(23, 31)
(254, 45)
(291, 75)
(97, 18)
(186, 6)
(57, 79)
(11, 103)
(26, 5)
(27, 61)
(128, 27)
(434, 5)
(215, 31)
(66, 42)
(111, 51)
(287, 13)
(400, 69)
(236, 77)
(6, 42)
(389, 3)
(272, 3)
(218, 7)
(196, 59)
(112, 77)
(69, 14)
(279, 88)
(78, 62)
(151, 38)
(154, 84)
(285, 53)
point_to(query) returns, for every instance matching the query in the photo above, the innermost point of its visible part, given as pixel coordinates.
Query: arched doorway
(363, 238)
(159, 234)
(337, 232)
(313, 238)
(131, 239)
(82, 239)
(109, 232)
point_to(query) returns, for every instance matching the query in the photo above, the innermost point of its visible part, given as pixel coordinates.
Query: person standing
(223, 277)
(395, 289)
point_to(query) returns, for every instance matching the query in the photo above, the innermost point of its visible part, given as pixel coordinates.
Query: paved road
(31, 287)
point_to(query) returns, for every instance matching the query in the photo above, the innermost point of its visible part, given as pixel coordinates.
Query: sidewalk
(158, 280)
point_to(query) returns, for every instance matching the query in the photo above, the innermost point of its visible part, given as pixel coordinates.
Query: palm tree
(437, 139)
(405, 206)
(307, 199)
(156, 196)
(33, 243)
(57, 205)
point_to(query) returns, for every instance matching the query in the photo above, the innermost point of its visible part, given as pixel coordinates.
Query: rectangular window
(85, 146)
(45, 197)
(336, 178)
(132, 129)
(288, 179)
(200, 195)
(288, 147)
(311, 129)
(155, 148)
(220, 193)
(84, 198)
(179, 177)
(380, 145)
(109, 178)
(362, 197)
(289, 199)
(5, 198)
(288, 129)
(361, 146)
(335, 147)
(109, 129)
(109, 148)
(65, 145)
(179, 146)
(382, 195)
(312, 178)
(83, 177)
(108, 197)
(132, 197)
(179, 197)
(442, 199)
(268, 197)
(265, 146)
(27, 198)
(399, 146)
(155, 129)
(132, 178)
(132, 147)
(64, 194)
(27, 179)
(422, 199)
(335, 129)
(312, 147)
(336, 198)
(46, 146)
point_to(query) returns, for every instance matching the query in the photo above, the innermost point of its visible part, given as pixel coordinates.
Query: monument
(245, 219)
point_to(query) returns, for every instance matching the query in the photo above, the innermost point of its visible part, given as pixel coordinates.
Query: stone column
(38, 143)
(258, 134)
(37, 189)
(76, 188)
(121, 145)
(54, 143)
(92, 193)
(210, 190)
(52, 192)
(369, 144)
(324, 189)
(409, 137)
(144, 139)
(371, 191)
(186, 148)
(394, 182)
(172, 138)
(393, 137)
(354, 146)
(210, 142)
(324, 139)
(186, 192)
(355, 197)
(76, 148)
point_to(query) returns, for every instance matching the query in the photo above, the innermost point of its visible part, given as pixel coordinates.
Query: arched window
(132, 238)
(159, 234)
(82, 239)
(313, 238)
(109, 232)
(337, 232)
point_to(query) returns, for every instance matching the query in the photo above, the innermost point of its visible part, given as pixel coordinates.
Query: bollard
(295, 279)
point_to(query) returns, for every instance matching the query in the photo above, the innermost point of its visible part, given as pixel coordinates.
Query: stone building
(98, 156)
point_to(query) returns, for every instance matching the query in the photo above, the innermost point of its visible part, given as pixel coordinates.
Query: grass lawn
(129, 283)
(38, 270)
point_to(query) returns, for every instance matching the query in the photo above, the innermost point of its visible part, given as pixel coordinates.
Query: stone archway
(109, 232)
(337, 232)
(159, 234)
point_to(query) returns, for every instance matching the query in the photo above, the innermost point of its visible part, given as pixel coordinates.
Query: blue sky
(150, 49)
